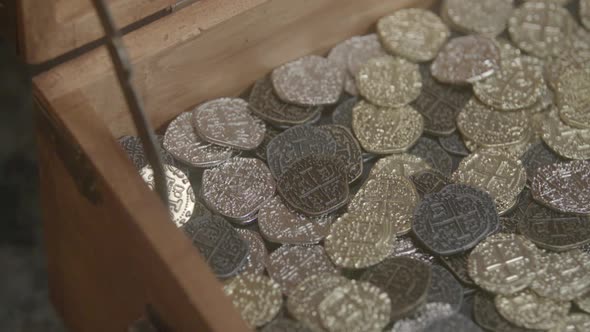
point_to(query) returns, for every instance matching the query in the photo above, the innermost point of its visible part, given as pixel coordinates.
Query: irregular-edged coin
(315, 185)
(285, 325)
(308, 81)
(504, 263)
(567, 141)
(342, 114)
(134, 149)
(237, 188)
(486, 315)
(257, 298)
(444, 288)
(423, 317)
(564, 186)
(228, 122)
(181, 197)
(260, 151)
(537, 155)
(347, 150)
(454, 323)
(266, 105)
(487, 17)
(339, 55)
(429, 150)
(541, 28)
(527, 309)
(575, 322)
(429, 181)
(355, 306)
(219, 243)
(280, 224)
(568, 60)
(487, 127)
(364, 49)
(383, 130)
(455, 219)
(404, 279)
(572, 95)
(428, 34)
(296, 143)
(257, 253)
(389, 81)
(454, 145)
(458, 264)
(466, 60)
(565, 275)
(289, 265)
(403, 164)
(439, 104)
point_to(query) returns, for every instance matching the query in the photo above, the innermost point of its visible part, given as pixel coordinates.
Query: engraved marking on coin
(454, 323)
(257, 298)
(429, 181)
(565, 275)
(454, 220)
(342, 114)
(399, 164)
(431, 152)
(538, 155)
(569, 59)
(364, 49)
(347, 150)
(260, 151)
(228, 122)
(457, 264)
(527, 309)
(404, 279)
(486, 17)
(444, 288)
(308, 81)
(134, 149)
(453, 144)
(486, 315)
(573, 97)
(566, 141)
(257, 254)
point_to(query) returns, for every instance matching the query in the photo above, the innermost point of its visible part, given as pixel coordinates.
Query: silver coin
(420, 320)
(453, 144)
(269, 134)
(315, 185)
(228, 122)
(338, 55)
(290, 265)
(538, 155)
(486, 315)
(404, 279)
(181, 197)
(347, 150)
(134, 149)
(342, 114)
(403, 245)
(219, 243)
(364, 49)
(454, 323)
(308, 81)
(565, 275)
(257, 254)
(266, 105)
(429, 150)
(237, 188)
(574, 322)
(444, 288)
(457, 264)
(429, 181)
(527, 309)
(296, 143)
(184, 144)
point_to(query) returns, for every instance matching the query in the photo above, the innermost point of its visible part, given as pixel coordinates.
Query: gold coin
(413, 33)
(355, 306)
(494, 172)
(389, 81)
(487, 127)
(356, 241)
(566, 141)
(403, 164)
(514, 86)
(383, 130)
(487, 17)
(258, 298)
(573, 97)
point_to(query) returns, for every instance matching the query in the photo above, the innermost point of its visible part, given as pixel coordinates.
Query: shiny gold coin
(356, 241)
(383, 130)
(585, 13)
(487, 17)
(494, 172)
(389, 81)
(355, 306)
(258, 298)
(413, 33)
(402, 164)
(573, 97)
(487, 127)
(566, 141)
(514, 86)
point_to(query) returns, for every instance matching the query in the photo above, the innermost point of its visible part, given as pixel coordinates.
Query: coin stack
(432, 176)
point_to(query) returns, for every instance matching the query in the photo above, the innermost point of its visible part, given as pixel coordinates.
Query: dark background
(24, 303)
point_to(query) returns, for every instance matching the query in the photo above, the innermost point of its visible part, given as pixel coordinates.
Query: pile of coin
(432, 176)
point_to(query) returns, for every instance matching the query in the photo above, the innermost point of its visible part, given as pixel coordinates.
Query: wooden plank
(110, 244)
(200, 53)
(53, 27)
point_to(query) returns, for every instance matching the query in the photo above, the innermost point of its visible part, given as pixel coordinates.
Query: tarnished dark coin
(429, 181)
(564, 186)
(455, 219)
(404, 279)
(267, 106)
(453, 144)
(228, 122)
(315, 185)
(457, 264)
(237, 188)
(309, 81)
(282, 324)
(554, 230)
(342, 114)
(429, 150)
(289, 265)
(347, 150)
(444, 288)
(281, 224)
(219, 243)
(439, 104)
(182, 141)
(295, 143)
(466, 60)
(454, 323)
(537, 155)
(257, 253)
(270, 133)
(486, 315)
(134, 149)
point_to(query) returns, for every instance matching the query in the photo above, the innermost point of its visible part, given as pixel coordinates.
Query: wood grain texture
(208, 51)
(109, 257)
(53, 27)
